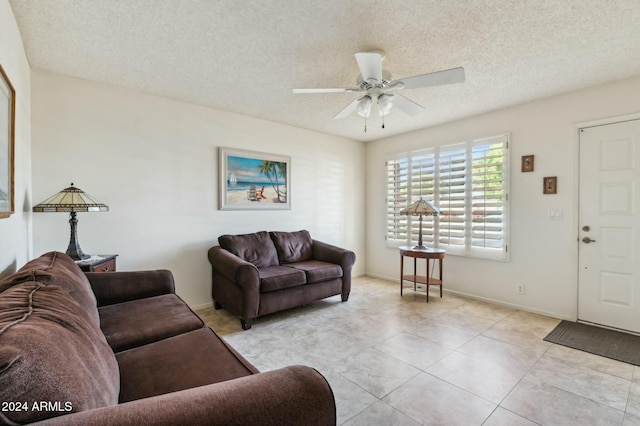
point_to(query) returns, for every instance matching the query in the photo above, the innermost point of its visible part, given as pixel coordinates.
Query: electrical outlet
(520, 288)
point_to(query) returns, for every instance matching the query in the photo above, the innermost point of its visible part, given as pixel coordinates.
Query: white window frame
(414, 174)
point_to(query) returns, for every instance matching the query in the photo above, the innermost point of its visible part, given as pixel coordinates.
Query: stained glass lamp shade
(420, 208)
(71, 200)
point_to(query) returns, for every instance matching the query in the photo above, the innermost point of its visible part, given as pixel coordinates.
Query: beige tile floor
(395, 360)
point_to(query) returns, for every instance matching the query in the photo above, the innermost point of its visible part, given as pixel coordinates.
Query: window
(468, 182)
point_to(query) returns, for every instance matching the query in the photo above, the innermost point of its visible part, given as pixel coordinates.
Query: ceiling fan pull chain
(365, 124)
(383, 120)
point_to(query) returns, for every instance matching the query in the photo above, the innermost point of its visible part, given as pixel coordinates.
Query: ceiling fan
(379, 88)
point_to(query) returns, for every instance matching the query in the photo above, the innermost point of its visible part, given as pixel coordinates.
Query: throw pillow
(256, 248)
(293, 247)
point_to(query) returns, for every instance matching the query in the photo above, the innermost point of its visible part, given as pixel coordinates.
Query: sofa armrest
(230, 266)
(333, 254)
(295, 395)
(343, 257)
(117, 287)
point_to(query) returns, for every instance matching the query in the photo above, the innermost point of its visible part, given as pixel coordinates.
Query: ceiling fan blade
(439, 78)
(407, 105)
(370, 64)
(348, 110)
(328, 90)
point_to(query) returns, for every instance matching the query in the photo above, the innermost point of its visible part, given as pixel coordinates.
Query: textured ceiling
(247, 56)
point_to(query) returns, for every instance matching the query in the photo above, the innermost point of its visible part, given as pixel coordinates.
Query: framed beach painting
(7, 144)
(254, 180)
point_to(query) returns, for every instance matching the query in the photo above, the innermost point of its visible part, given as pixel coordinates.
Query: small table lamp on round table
(71, 200)
(420, 208)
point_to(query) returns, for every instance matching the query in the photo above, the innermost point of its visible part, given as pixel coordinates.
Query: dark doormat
(596, 340)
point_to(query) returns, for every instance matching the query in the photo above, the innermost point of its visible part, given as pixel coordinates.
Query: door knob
(588, 240)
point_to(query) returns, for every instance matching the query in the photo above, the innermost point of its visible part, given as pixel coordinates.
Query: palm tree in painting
(274, 171)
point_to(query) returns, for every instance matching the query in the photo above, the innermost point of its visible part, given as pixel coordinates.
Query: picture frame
(527, 163)
(7, 145)
(254, 180)
(550, 185)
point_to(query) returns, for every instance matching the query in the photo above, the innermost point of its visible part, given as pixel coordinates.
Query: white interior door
(609, 272)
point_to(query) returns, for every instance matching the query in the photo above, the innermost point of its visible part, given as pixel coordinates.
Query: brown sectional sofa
(121, 348)
(265, 272)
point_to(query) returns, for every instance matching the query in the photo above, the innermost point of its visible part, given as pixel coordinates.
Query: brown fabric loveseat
(121, 348)
(265, 272)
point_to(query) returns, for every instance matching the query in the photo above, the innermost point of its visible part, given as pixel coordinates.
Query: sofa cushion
(293, 246)
(50, 351)
(55, 268)
(162, 367)
(138, 322)
(317, 270)
(280, 277)
(256, 248)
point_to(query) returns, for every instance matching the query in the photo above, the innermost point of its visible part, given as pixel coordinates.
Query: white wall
(15, 231)
(154, 162)
(543, 252)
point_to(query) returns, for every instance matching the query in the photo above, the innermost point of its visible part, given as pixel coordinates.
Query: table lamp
(420, 208)
(71, 200)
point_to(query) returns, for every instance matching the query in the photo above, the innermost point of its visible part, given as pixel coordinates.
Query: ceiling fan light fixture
(364, 106)
(385, 103)
(379, 88)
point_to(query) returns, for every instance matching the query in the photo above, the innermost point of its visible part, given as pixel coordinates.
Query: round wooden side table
(421, 253)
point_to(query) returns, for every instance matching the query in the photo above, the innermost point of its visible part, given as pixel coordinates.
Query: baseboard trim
(380, 277)
(202, 306)
(510, 305)
(488, 300)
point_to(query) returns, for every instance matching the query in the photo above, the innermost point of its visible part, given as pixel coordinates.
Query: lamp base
(74, 251)
(420, 246)
(77, 256)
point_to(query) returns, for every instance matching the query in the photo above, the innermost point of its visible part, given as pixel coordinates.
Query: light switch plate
(554, 214)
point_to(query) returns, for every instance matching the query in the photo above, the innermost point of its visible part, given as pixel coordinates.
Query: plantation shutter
(422, 178)
(488, 194)
(468, 183)
(452, 200)
(397, 198)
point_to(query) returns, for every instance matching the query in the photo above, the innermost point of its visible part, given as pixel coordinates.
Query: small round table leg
(401, 271)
